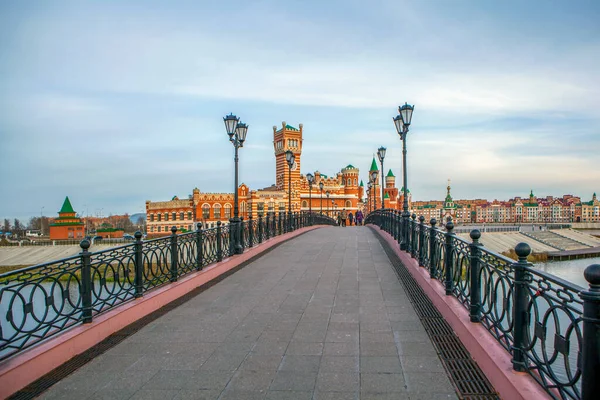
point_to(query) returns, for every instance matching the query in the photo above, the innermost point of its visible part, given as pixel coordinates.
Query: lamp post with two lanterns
(237, 135)
(402, 122)
(381, 156)
(321, 187)
(290, 158)
(311, 179)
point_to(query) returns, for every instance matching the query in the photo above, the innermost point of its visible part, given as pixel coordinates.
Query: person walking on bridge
(344, 216)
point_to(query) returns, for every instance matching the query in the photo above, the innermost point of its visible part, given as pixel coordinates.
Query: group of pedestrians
(344, 217)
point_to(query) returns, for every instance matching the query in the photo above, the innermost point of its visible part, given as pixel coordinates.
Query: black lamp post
(290, 158)
(370, 194)
(237, 135)
(402, 122)
(327, 194)
(374, 185)
(311, 179)
(381, 156)
(321, 187)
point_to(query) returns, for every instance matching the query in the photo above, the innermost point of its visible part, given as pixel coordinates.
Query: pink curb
(32, 364)
(492, 358)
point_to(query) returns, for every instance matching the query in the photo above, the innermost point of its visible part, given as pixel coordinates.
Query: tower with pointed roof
(68, 225)
(376, 188)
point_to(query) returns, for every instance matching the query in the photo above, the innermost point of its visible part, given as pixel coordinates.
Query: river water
(571, 270)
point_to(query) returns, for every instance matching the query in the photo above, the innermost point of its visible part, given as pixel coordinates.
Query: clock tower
(287, 138)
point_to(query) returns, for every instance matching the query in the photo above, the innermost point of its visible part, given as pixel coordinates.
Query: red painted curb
(492, 358)
(32, 364)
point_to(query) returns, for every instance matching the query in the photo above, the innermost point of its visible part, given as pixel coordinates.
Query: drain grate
(464, 373)
(36, 388)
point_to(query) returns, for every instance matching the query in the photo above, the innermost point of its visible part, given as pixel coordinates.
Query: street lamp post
(290, 158)
(381, 156)
(402, 122)
(311, 179)
(321, 187)
(370, 202)
(237, 135)
(374, 184)
(327, 194)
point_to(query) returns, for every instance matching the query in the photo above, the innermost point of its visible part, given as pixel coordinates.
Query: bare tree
(18, 228)
(6, 226)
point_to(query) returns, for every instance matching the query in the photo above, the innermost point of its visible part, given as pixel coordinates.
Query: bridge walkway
(322, 316)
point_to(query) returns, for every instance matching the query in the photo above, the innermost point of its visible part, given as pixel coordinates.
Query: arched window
(243, 207)
(304, 204)
(205, 211)
(151, 217)
(182, 215)
(227, 211)
(348, 204)
(158, 217)
(343, 181)
(355, 182)
(174, 215)
(166, 216)
(217, 211)
(189, 215)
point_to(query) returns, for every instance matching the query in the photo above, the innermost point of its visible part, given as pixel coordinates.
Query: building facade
(340, 191)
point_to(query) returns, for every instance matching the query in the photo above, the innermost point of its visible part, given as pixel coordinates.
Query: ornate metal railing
(44, 300)
(548, 325)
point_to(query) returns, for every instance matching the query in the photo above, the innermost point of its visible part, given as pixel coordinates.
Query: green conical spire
(390, 174)
(386, 196)
(67, 207)
(361, 183)
(374, 166)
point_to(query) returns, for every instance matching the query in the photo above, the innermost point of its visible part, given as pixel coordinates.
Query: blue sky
(117, 102)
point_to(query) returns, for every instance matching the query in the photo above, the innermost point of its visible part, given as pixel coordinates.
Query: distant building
(67, 225)
(208, 208)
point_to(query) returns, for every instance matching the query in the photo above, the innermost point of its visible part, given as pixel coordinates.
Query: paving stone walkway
(323, 316)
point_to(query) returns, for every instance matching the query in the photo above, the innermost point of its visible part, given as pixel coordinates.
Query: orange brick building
(67, 225)
(208, 208)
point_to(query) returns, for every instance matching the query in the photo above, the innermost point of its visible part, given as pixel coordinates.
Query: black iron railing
(43, 300)
(537, 317)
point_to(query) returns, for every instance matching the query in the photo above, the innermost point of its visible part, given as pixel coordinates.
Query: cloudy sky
(117, 102)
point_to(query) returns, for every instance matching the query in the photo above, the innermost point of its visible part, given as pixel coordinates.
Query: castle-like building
(340, 191)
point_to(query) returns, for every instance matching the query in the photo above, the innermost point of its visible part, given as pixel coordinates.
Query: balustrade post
(432, 256)
(250, 231)
(449, 283)
(521, 295)
(86, 282)
(421, 240)
(267, 227)
(281, 223)
(396, 227)
(219, 244)
(174, 258)
(260, 229)
(399, 222)
(413, 242)
(475, 289)
(138, 277)
(199, 247)
(241, 233)
(590, 348)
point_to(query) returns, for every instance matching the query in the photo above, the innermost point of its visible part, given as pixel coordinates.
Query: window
(166, 216)
(227, 211)
(158, 217)
(243, 206)
(281, 207)
(271, 206)
(304, 204)
(182, 215)
(260, 209)
(174, 215)
(159, 229)
(355, 182)
(217, 211)
(206, 211)
(151, 217)
(189, 215)
(348, 203)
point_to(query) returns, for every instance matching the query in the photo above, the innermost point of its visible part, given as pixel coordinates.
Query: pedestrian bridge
(317, 312)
